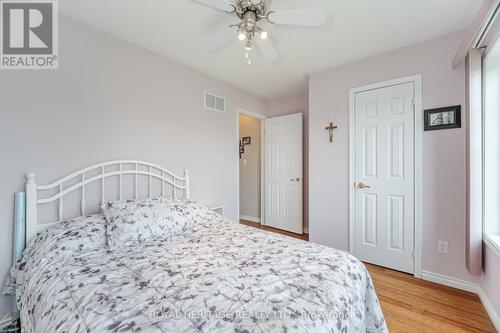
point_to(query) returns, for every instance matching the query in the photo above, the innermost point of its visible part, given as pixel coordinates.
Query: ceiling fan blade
(267, 49)
(222, 5)
(309, 18)
(220, 38)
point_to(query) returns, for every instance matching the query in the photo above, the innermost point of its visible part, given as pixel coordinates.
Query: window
(491, 132)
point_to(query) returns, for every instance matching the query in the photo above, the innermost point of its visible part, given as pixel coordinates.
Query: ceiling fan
(251, 14)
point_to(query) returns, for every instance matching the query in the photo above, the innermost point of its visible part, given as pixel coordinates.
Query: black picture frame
(242, 149)
(246, 140)
(443, 118)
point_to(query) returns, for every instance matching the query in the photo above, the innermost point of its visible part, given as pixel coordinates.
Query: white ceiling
(181, 29)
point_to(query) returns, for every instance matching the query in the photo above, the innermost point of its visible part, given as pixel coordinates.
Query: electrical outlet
(443, 247)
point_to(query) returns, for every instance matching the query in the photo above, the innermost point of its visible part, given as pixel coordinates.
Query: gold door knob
(361, 185)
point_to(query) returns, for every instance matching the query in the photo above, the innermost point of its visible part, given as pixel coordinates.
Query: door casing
(418, 128)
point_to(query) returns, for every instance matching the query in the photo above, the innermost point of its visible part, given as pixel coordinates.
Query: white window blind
(491, 70)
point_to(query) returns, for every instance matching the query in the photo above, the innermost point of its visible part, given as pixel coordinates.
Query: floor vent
(214, 103)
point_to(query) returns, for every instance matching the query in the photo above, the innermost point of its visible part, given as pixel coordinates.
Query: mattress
(218, 276)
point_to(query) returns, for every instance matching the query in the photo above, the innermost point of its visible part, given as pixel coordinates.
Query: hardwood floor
(413, 305)
(278, 231)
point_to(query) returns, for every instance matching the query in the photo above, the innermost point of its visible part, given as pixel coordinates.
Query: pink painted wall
(296, 103)
(443, 151)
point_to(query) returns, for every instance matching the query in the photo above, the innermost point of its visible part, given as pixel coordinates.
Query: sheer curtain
(491, 128)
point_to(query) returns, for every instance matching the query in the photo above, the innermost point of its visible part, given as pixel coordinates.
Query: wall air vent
(214, 103)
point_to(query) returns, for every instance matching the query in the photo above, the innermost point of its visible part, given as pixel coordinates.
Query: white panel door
(283, 173)
(384, 187)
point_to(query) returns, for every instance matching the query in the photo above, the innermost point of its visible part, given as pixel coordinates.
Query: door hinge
(413, 254)
(413, 103)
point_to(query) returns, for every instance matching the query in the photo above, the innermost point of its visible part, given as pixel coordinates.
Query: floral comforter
(217, 276)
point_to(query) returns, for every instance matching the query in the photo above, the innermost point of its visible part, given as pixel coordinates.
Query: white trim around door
(418, 128)
(240, 111)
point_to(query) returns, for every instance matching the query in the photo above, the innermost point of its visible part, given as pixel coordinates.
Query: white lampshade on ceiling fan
(251, 14)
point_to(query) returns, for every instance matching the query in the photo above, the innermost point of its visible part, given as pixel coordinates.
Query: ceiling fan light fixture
(242, 35)
(252, 13)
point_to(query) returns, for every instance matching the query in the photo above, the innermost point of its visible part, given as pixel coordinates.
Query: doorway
(250, 166)
(270, 179)
(385, 174)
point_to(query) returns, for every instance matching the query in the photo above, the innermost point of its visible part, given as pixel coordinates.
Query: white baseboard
(250, 218)
(467, 286)
(490, 310)
(450, 281)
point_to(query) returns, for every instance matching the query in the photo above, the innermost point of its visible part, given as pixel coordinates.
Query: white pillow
(131, 222)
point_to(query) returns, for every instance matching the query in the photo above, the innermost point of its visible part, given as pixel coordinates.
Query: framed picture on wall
(247, 140)
(242, 149)
(443, 118)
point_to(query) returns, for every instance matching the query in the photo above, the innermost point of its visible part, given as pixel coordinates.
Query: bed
(213, 276)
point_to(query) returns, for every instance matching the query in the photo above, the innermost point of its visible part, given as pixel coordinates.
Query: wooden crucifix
(330, 130)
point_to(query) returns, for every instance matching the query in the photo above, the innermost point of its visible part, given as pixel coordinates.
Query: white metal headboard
(149, 170)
